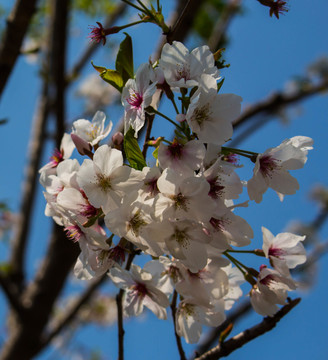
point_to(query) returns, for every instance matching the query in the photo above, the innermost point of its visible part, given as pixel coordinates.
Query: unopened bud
(155, 142)
(117, 139)
(180, 118)
(82, 146)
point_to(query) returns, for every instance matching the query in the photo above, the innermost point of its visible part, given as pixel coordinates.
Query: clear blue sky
(264, 54)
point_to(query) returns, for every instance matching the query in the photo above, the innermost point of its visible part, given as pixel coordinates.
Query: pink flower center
(135, 100)
(73, 232)
(56, 158)
(216, 190)
(268, 165)
(175, 150)
(219, 224)
(140, 289)
(276, 252)
(152, 186)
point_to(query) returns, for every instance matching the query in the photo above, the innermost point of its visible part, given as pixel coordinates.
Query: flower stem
(238, 264)
(167, 118)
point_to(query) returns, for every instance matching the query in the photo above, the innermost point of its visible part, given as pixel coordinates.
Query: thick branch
(246, 336)
(39, 298)
(17, 25)
(22, 227)
(12, 295)
(72, 312)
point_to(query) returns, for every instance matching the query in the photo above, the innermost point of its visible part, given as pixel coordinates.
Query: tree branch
(222, 24)
(177, 337)
(12, 296)
(214, 334)
(17, 25)
(73, 311)
(278, 100)
(246, 336)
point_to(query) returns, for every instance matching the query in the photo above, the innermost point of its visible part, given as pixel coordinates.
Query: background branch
(17, 24)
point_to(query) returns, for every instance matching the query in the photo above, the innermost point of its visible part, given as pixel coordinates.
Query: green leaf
(155, 153)
(219, 84)
(124, 59)
(133, 152)
(114, 78)
(110, 76)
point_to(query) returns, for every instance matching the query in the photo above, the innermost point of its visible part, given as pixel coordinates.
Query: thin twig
(177, 337)
(119, 304)
(268, 323)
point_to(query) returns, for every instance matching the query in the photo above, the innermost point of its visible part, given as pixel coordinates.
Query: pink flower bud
(180, 118)
(118, 138)
(83, 147)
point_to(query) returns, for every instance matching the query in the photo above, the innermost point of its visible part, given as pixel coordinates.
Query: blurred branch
(268, 323)
(11, 294)
(22, 227)
(39, 298)
(60, 9)
(73, 311)
(278, 100)
(222, 24)
(17, 25)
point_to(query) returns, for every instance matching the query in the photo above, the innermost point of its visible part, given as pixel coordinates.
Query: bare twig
(177, 337)
(17, 25)
(268, 323)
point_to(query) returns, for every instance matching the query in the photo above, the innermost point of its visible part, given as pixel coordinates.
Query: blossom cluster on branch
(182, 210)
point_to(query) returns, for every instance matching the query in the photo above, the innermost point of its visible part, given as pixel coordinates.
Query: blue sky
(264, 54)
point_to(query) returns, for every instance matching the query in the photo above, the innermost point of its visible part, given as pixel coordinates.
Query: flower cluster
(180, 211)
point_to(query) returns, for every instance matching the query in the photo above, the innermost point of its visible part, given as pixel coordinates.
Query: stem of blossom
(175, 105)
(131, 24)
(151, 109)
(119, 305)
(257, 252)
(133, 5)
(177, 337)
(249, 154)
(238, 264)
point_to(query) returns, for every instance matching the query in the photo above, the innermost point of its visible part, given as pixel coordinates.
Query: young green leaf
(132, 151)
(124, 59)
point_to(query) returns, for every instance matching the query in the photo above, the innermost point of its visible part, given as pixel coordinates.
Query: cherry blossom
(136, 97)
(271, 168)
(140, 291)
